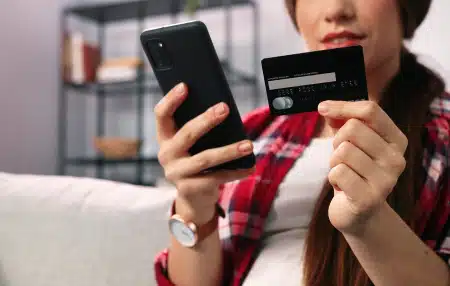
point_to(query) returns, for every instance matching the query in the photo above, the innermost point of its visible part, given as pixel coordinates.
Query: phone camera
(159, 54)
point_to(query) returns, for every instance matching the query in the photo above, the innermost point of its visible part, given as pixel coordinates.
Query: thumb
(333, 122)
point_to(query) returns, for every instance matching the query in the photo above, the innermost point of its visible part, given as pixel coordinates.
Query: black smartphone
(184, 52)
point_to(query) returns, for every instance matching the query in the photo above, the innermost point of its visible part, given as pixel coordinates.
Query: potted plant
(191, 6)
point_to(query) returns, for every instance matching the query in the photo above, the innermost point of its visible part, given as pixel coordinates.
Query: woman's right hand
(197, 192)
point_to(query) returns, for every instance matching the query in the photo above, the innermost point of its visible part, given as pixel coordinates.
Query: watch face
(182, 233)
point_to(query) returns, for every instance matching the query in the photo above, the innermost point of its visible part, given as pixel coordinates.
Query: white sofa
(66, 231)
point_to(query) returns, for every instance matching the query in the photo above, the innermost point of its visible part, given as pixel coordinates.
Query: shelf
(150, 85)
(100, 14)
(103, 161)
(112, 12)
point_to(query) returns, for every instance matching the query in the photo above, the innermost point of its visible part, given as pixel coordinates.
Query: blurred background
(77, 95)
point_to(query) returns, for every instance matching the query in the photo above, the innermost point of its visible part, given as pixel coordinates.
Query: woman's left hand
(367, 161)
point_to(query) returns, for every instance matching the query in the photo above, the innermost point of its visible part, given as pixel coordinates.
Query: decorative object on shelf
(117, 147)
(119, 69)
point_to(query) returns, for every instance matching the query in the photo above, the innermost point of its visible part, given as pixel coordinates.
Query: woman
(355, 194)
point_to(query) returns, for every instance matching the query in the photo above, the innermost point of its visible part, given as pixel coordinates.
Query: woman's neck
(379, 76)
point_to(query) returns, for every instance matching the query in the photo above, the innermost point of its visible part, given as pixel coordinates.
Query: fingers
(361, 136)
(381, 180)
(190, 166)
(164, 110)
(371, 114)
(197, 127)
(353, 157)
(368, 141)
(344, 179)
(184, 171)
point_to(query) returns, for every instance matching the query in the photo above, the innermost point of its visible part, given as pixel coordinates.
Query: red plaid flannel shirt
(278, 142)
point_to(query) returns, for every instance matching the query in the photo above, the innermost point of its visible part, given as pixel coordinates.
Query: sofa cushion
(67, 231)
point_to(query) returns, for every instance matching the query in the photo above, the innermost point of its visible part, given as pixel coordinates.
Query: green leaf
(191, 6)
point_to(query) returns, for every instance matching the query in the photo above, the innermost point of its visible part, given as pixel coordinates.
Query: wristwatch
(188, 233)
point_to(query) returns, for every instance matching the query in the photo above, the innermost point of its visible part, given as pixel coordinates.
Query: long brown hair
(329, 260)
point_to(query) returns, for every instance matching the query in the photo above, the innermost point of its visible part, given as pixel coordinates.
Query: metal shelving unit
(145, 84)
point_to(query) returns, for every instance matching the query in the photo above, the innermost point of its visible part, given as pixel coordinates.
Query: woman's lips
(341, 43)
(342, 39)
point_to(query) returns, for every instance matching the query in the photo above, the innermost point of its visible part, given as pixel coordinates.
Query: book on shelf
(80, 59)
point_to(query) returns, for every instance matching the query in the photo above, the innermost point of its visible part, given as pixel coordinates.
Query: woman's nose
(339, 10)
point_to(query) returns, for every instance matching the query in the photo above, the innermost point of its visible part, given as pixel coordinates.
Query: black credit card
(298, 83)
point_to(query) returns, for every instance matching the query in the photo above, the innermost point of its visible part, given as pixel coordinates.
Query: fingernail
(161, 101)
(323, 107)
(219, 109)
(245, 147)
(180, 88)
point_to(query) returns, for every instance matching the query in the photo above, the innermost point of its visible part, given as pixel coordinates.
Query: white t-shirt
(280, 260)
